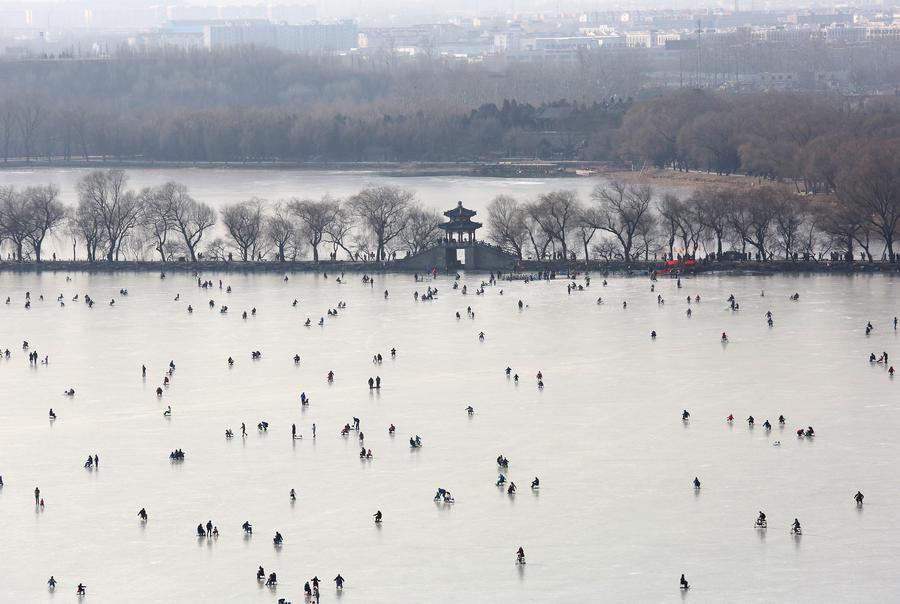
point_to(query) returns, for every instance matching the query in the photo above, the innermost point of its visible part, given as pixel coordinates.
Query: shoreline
(472, 169)
(525, 267)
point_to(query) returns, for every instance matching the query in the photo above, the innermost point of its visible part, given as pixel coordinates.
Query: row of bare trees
(115, 222)
(556, 222)
(625, 221)
(630, 222)
(28, 216)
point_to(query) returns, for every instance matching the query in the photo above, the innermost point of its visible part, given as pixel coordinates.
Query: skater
(761, 520)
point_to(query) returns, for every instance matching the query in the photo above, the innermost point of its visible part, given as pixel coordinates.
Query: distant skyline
(410, 10)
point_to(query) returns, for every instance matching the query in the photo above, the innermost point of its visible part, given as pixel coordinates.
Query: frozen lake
(218, 187)
(616, 519)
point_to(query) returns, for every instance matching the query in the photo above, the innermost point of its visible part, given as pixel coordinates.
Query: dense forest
(257, 105)
(254, 105)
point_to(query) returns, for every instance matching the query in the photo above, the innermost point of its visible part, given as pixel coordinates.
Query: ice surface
(218, 187)
(616, 519)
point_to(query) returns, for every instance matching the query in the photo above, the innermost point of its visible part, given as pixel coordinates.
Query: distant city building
(280, 13)
(559, 50)
(891, 32)
(305, 38)
(166, 39)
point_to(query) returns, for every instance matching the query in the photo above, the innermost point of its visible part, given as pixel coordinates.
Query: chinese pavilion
(460, 228)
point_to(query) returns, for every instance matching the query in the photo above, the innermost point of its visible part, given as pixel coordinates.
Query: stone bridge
(455, 256)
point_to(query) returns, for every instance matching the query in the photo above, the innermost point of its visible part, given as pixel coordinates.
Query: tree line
(631, 222)
(113, 222)
(805, 140)
(809, 141)
(259, 105)
(247, 105)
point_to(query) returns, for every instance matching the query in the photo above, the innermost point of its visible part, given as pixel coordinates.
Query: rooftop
(459, 213)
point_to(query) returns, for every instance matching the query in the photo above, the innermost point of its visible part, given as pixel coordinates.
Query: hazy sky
(109, 13)
(355, 7)
(382, 12)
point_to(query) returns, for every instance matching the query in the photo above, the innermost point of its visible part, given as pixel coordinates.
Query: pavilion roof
(459, 212)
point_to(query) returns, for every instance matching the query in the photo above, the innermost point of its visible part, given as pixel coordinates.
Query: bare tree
(156, 217)
(739, 221)
(217, 249)
(282, 231)
(361, 243)
(31, 115)
(45, 213)
(622, 211)
(244, 223)
(842, 221)
(384, 211)
(607, 249)
(559, 211)
(647, 238)
(340, 232)
(790, 213)
(316, 217)
(759, 212)
(586, 227)
(871, 181)
(87, 224)
(117, 208)
(812, 235)
(9, 119)
(421, 229)
(538, 235)
(136, 246)
(691, 226)
(14, 218)
(714, 207)
(506, 224)
(190, 218)
(670, 209)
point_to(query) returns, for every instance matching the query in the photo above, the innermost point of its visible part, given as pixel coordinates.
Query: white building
(310, 37)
